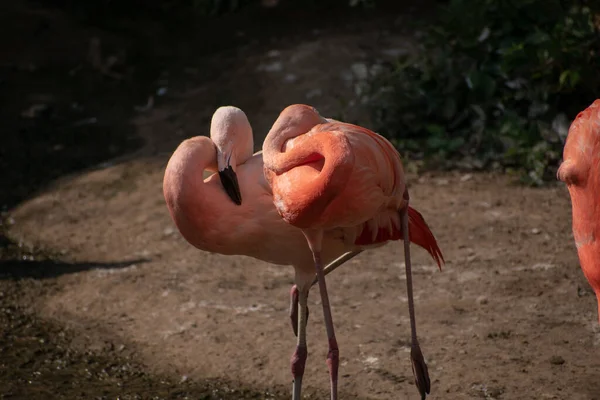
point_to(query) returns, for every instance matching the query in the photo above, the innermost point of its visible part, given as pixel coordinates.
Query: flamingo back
(337, 175)
(375, 187)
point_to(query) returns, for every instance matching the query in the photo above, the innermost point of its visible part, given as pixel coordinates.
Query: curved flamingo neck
(186, 194)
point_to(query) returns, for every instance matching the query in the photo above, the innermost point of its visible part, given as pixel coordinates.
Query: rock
(276, 66)
(466, 177)
(346, 76)
(314, 93)
(290, 78)
(360, 71)
(394, 52)
(482, 300)
(35, 111)
(557, 360)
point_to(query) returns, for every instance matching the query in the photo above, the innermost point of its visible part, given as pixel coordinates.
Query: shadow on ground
(46, 269)
(38, 363)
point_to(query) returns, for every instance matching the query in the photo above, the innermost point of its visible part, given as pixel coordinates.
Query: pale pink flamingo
(580, 170)
(331, 176)
(232, 212)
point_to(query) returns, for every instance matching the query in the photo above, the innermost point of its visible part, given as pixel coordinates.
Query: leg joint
(299, 361)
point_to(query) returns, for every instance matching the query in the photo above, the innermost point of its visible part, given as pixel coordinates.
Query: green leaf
(455, 143)
(482, 84)
(434, 129)
(563, 77)
(436, 142)
(569, 79)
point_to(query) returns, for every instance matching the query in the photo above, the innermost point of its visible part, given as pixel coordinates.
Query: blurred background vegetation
(494, 84)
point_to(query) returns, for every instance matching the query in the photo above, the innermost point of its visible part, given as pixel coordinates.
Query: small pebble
(314, 93)
(272, 67)
(360, 70)
(557, 360)
(482, 300)
(291, 78)
(396, 52)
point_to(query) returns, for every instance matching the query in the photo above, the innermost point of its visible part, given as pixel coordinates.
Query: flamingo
(231, 212)
(580, 170)
(326, 176)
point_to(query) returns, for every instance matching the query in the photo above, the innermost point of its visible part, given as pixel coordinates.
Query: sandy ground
(510, 316)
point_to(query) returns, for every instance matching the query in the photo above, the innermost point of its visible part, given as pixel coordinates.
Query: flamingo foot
(420, 371)
(294, 309)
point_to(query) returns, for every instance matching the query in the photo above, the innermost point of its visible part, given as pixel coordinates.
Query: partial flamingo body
(231, 212)
(580, 170)
(332, 176)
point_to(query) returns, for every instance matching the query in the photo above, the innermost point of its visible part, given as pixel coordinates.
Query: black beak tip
(230, 184)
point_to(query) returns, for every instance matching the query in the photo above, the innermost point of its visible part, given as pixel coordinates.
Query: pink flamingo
(211, 215)
(328, 175)
(580, 171)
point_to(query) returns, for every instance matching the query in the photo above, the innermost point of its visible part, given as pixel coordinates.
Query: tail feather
(420, 234)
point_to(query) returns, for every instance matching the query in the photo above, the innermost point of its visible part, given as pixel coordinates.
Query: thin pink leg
(294, 309)
(314, 238)
(299, 357)
(419, 367)
(332, 266)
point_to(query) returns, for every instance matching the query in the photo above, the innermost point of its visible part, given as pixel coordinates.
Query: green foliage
(494, 82)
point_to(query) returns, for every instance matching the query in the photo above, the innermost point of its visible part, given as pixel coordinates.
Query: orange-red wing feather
(419, 234)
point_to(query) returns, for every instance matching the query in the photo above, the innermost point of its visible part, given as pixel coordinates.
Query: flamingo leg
(294, 294)
(419, 367)
(315, 238)
(332, 266)
(299, 357)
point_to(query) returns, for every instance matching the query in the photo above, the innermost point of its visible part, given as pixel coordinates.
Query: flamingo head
(231, 132)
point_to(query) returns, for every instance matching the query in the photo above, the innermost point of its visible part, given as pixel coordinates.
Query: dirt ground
(101, 298)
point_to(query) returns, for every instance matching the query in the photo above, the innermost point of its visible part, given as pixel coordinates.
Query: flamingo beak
(230, 183)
